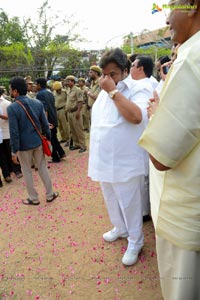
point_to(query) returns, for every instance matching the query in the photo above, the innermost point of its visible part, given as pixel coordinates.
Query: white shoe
(130, 257)
(113, 235)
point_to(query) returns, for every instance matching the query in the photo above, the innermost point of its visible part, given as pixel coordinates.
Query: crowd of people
(139, 127)
(67, 104)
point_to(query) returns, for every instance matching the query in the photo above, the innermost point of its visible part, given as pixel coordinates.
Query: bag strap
(28, 115)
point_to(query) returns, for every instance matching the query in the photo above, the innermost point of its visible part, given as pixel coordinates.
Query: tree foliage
(36, 46)
(14, 53)
(10, 30)
(47, 47)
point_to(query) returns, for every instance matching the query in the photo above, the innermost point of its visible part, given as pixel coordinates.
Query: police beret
(57, 85)
(95, 68)
(27, 77)
(70, 77)
(81, 79)
(29, 81)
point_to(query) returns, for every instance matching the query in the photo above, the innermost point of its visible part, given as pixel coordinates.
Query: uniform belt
(73, 110)
(60, 108)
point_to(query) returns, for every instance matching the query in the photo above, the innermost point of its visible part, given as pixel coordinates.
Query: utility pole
(131, 43)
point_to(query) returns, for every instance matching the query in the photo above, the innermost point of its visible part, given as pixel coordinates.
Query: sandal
(19, 175)
(54, 196)
(30, 202)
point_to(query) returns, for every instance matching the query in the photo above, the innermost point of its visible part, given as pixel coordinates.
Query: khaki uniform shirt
(94, 89)
(173, 138)
(31, 95)
(74, 96)
(60, 99)
(85, 89)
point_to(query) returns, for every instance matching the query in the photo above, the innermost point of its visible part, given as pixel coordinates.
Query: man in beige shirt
(84, 110)
(172, 139)
(94, 89)
(60, 95)
(73, 108)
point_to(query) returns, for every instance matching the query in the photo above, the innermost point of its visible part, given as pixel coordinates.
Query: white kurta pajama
(117, 161)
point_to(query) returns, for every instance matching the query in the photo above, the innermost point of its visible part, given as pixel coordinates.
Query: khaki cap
(70, 77)
(57, 85)
(81, 79)
(95, 68)
(29, 81)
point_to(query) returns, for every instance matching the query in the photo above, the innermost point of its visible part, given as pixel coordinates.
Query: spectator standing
(1, 140)
(60, 104)
(94, 88)
(141, 71)
(173, 140)
(119, 116)
(6, 162)
(25, 141)
(73, 108)
(48, 101)
(84, 110)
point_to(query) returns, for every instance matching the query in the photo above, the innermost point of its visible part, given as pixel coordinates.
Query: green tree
(10, 30)
(34, 47)
(14, 53)
(49, 50)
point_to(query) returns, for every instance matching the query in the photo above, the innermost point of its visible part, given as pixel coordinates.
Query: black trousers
(6, 162)
(57, 150)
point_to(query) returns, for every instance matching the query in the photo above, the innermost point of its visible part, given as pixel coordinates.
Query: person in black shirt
(48, 100)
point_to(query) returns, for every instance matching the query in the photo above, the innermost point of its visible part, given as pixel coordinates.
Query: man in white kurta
(119, 163)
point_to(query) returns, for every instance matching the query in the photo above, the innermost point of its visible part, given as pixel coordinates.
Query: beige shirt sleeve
(175, 128)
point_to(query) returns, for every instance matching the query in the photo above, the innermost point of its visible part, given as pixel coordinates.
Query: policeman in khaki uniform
(73, 107)
(94, 74)
(60, 103)
(84, 110)
(30, 83)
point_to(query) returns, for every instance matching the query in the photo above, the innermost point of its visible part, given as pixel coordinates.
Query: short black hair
(146, 62)
(19, 83)
(116, 56)
(130, 60)
(2, 91)
(163, 59)
(42, 81)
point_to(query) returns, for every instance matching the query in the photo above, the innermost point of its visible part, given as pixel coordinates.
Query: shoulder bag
(45, 143)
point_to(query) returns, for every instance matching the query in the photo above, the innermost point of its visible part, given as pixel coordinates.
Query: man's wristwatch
(112, 93)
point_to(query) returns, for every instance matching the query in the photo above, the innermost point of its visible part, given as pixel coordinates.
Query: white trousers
(124, 204)
(25, 158)
(179, 271)
(145, 197)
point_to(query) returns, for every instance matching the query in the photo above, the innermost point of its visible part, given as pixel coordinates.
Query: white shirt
(159, 87)
(114, 153)
(4, 123)
(154, 82)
